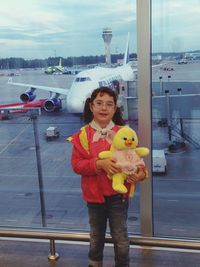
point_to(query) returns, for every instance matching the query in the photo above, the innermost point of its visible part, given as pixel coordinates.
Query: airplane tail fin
(60, 62)
(126, 55)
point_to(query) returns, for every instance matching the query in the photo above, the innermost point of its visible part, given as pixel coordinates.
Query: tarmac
(52, 199)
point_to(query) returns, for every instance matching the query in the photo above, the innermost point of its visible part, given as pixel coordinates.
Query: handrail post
(53, 256)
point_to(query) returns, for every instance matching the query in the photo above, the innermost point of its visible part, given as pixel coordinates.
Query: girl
(103, 118)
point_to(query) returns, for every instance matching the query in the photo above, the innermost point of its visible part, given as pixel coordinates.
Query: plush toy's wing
(142, 151)
(105, 154)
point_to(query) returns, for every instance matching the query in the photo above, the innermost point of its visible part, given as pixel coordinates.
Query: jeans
(114, 210)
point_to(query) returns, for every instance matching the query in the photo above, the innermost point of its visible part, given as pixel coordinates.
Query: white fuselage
(88, 80)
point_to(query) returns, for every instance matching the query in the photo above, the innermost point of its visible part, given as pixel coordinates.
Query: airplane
(58, 69)
(82, 86)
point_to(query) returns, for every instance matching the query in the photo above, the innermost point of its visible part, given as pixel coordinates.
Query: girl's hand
(138, 176)
(108, 165)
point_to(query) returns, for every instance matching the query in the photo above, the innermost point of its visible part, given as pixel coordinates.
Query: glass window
(42, 54)
(176, 117)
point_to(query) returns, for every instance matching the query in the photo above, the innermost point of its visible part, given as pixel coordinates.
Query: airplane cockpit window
(82, 79)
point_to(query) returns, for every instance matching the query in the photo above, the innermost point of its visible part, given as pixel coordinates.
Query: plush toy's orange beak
(128, 142)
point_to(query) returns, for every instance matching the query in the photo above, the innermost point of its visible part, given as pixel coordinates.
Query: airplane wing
(57, 90)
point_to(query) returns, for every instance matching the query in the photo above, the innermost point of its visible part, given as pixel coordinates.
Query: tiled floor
(35, 254)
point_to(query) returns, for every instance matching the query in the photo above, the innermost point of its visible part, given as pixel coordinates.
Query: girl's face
(103, 108)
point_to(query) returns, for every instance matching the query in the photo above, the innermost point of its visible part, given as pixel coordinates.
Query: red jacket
(95, 184)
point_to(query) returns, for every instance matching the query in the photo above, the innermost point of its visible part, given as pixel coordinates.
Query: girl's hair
(88, 115)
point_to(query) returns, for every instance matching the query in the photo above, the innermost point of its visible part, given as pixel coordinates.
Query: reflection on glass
(176, 118)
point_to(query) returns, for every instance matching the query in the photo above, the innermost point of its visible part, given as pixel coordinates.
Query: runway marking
(14, 139)
(178, 229)
(10, 220)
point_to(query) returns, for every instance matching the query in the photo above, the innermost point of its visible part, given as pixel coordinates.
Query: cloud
(34, 28)
(62, 23)
(175, 25)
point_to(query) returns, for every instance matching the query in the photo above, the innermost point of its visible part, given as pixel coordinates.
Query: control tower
(107, 36)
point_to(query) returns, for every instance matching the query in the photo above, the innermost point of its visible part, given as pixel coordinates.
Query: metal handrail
(84, 237)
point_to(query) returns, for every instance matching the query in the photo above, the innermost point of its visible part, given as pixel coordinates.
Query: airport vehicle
(159, 161)
(52, 133)
(182, 61)
(84, 83)
(4, 114)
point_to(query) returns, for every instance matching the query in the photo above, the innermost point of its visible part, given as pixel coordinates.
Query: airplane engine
(52, 104)
(28, 96)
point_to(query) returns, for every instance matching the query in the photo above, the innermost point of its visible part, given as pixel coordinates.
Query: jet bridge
(172, 105)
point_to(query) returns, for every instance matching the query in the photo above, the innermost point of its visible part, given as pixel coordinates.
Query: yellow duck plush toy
(125, 152)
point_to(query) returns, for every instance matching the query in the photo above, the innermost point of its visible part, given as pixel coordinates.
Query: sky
(42, 28)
